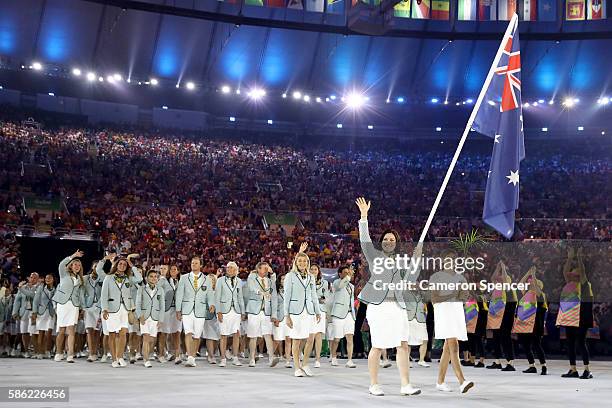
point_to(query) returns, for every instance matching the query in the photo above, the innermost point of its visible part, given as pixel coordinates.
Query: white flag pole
(468, 127)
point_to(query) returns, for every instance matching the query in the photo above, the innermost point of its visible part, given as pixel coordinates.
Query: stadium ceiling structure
(217, 43)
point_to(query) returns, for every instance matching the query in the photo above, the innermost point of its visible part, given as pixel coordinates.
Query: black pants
(476, 345)
(530, 342)
(358, 346)
(502, 339)
(576, 337)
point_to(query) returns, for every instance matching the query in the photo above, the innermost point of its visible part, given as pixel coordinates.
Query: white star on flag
(513, 178)
(497, 137)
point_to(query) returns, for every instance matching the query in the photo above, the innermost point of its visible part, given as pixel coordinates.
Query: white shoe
(408, 389)
(39, 356)
(148, 364)
(242, 355)
(14, 353)
(288, 364)
(178, 360)
(273, 361)
(190, 362)
(423, 364)
(317, 364)
(228, 355)
(350, 364)
(252, 363)
(465, 387)
(385, 364)
(70, 359)
(236, 362)
(162, 359)
(443, 387)
(334, 362)
(212, 360)
(122, 362)
(115, 364)
(104, 358)
(223, 362)
(138, 356)
(307, 371)
(299, 373)
(376, 390)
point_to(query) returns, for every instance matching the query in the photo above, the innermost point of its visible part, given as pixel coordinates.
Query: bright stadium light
(603, 101)
(332, 97)
(388, 100)
(37, 66)
(101, 79)
(232, 119)
(238, 91)
(190, 85)
(226, 89)
(284, 96)
(434, 100)
(355, 100)
(318, 99)
(110, 79)
(551, 102)
(270, 122)
(164, 107)
(569, 102)
(91, 76)
(540, 101)
(297, 95)
(306, 98)
(580, 128)
(370, 127)
(118, 77)
(544, 129)
(400, 99)
(153, 81)
(339, 125)
(469, 100)
(51, 94)
(438, 129)
(446, 102)
(76, 72)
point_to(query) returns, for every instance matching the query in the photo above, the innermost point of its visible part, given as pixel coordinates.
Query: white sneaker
(190, 362)
(273, 361)
(408, 389)
(138, 356)
(48, 355)
(39, 356)
(385, 364)
(14, 353)
(178, 360)
(27, 354)
(350, 364)
(376, 390)
(70, 359)
(236, 362)
(162, 359)
(334, 362)
(465, 387)
(317, 364)
(148, 364)
(307, 371)
(443, 387)
(299, 373)
(242, 355)
(58, 357)
(424, 364)
(115, 364)
(104, 358)
(252, 363)
(212, 360)
(288, 364)
(223, 362)
(228, 355)
(122, 362)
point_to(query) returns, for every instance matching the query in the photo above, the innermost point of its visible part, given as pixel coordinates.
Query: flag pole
(468, 127)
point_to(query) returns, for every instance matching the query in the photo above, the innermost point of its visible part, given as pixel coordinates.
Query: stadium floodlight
(164, 107)
(569, 102)
(526, 105)
(434, 100)
(76, 72)
(540, 101)
(388, 100)
(326, 99)
(270, 122)
(318, 100)
(232, 119)
(355, 100)
(438, 129)
(339, 125)
(153, 81)
(238, 91)
(306, 98)
(603, 132)
(535, 104)
(91, 76)
(470, 100)
(101, 79)
(51, 94)
(297, 95)
(544, 129)
(190, 86)
(332, 97)
(226, 89)
(580, 128)
(110, 79)
(370, 127)
(446, 102)
(257, 93)
(400, 99)
(491, 103)
(37, 66)
(284, 95)
(117, 77)
(603, 101)
(551, 102)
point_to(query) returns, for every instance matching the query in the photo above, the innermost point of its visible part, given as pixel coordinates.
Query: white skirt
(302, 325)
(171, 324)
(117, 321)
(417, 332)
(45, 322)
(211, 330)
(319, 327)
(92, 318)
(449, 321)
(67, 315)
(149, 327)
(279, 333)
(388, 325)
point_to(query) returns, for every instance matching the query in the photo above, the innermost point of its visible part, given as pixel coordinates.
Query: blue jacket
(189, 299)
(228, 297)
(344, 299)
(300, 295)
(257, 300)
(67, 290)
(150, 305)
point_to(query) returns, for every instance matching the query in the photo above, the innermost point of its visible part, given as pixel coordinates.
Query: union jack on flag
(500, 116)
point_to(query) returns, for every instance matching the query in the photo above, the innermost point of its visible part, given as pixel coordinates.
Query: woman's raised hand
(364, 207)
(78, 254)
(303, 246)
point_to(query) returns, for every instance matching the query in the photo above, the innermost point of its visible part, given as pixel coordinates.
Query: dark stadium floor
(97, 384)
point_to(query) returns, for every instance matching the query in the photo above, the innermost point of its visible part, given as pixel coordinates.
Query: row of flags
(471, 10)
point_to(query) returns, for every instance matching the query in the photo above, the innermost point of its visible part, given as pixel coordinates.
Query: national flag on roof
(500, 116)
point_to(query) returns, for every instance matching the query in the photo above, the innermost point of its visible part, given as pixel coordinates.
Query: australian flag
(500, 117)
